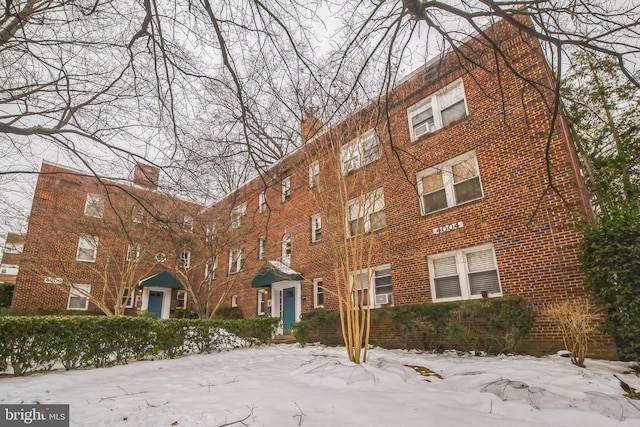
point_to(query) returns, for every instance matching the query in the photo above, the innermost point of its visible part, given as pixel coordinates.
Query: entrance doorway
(288, 308)
(155, 303)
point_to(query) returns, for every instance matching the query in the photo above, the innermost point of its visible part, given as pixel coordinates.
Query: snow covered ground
(286, 385)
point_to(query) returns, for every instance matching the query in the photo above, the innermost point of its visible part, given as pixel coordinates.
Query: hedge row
(37, 343)
(495, 325)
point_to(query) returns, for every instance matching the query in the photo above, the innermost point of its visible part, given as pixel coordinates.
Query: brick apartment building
(103, 238)
(449, 174)
(11, 255)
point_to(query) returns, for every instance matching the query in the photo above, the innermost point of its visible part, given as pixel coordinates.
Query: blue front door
(288, 308)
(155, 303)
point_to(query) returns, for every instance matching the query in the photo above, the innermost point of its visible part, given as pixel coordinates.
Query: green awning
(272, 272)
(161, 280)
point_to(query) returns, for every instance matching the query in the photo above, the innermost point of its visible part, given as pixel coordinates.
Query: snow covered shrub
(577, 320)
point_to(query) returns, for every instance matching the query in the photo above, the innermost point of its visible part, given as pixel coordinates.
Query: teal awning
(272, 272)
(161, 280)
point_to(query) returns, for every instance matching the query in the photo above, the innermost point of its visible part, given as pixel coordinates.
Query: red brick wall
(57, 221)
(529, 221)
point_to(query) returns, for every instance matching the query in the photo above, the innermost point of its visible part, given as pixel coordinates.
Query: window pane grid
(432, 182)
(314, 174)
(423, 122)
(486, 281)
(435, 201)
(437, 111)
(94, 205)
(449, 184)
(78, 299)
(444, 267)
(87, 248)
(360, 152)
(367, 213)
(318, 293)
(316, 228)
(465, 273)
(448, 287)
(480, 261)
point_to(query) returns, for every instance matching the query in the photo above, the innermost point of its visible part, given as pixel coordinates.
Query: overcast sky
(26, 154)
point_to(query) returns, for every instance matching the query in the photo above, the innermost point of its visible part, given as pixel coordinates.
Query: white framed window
(262, 202)
(286, 189)
(464, 274)
(286, 249)
(360, 152)
(127, 298)
(448, 184)
(94, 205)
(137, 214)
(210, 233)
(9, 269)
(187, 224)
(236, 215)
(133, 252)
(437, 111)
(87, 248)
(181, 300)
(314, 174)
(79, 297)
(234, 300)
(262, 248)
(316, 228)
(366, 213)
(185, 259)
(13, 248)
(211, 268)
(236, 260)
(318, 293)
(263, 297)
(372, 286)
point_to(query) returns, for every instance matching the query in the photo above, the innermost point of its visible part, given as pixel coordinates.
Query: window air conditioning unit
(382, 299)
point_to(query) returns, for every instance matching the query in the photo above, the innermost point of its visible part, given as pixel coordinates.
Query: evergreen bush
(611, 263)
(6, 294)
(39, 342)
(494, 325)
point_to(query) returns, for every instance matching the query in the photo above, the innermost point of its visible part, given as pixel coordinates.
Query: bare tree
(208, 238)
(352, 209)
(130, 80)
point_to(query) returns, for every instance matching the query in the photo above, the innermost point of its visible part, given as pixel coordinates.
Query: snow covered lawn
(286, 385)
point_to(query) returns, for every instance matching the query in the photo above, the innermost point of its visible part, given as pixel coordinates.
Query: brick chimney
(146, 176)
(310, 125)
